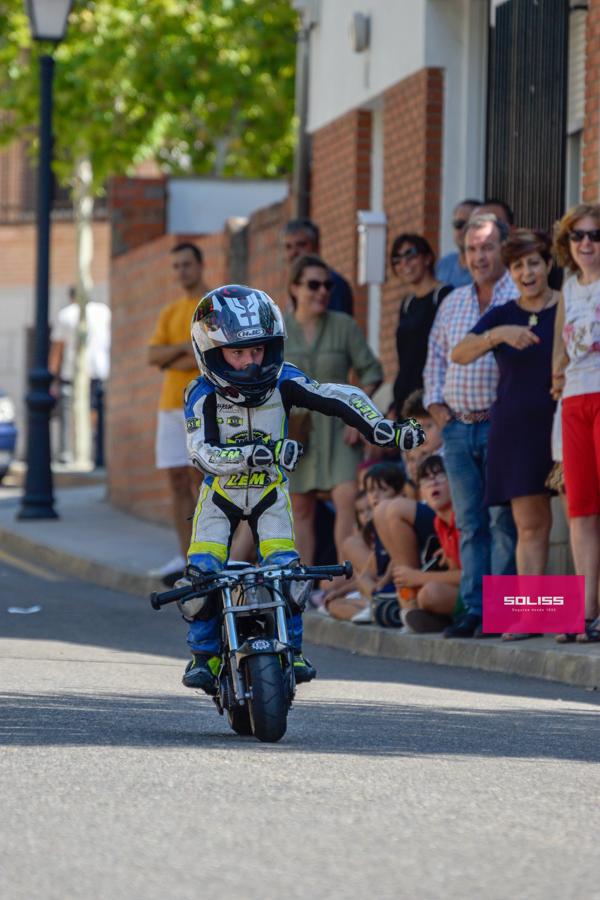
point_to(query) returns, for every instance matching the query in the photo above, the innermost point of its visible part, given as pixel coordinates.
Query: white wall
(456, 40)
(341, 79)
(377, 205)
(203, 205)
(407, 35)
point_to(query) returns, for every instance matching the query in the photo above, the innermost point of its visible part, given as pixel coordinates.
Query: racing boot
(201, 672)
(303, 668)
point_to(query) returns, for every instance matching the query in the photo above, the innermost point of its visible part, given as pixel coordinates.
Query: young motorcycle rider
(236, 419)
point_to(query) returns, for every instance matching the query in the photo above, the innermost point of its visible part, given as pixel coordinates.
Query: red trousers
(581, 453)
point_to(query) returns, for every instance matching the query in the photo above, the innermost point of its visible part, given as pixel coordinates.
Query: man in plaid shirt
(459, 399)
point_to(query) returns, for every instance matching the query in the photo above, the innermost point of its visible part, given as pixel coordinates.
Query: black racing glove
(284, 453)
(406, 435)
(261, 457)
(288, 453)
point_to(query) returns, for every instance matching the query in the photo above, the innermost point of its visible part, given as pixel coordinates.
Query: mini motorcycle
(255, 684)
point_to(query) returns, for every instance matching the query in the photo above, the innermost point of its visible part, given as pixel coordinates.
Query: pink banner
(546, 604)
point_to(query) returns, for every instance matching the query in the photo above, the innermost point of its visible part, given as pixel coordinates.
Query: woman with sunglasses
(577, 247)
(326, 345)
(413, 261)
(520, 335)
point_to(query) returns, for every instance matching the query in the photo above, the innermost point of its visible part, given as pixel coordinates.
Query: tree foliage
(204, 88)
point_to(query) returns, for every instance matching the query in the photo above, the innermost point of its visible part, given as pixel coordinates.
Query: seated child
(437, 597)
(342, 600)
(384, 482)
(405, 528)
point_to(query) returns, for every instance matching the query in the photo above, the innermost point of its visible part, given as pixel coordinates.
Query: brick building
(409, 109)
(18, 196)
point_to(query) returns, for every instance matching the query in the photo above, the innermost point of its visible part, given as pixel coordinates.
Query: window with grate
(527, 107)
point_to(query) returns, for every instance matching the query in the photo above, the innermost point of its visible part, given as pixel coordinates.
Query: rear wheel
(239, 719)
(269, 705)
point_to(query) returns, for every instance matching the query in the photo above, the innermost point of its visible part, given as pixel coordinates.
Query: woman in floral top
(577, 247)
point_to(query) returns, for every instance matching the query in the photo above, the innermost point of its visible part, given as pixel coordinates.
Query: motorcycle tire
(268, 706)
(239, 720)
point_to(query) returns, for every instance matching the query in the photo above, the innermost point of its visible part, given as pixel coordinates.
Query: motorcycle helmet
(239, 316)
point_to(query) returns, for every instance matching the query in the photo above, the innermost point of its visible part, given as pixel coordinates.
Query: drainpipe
(308, 10)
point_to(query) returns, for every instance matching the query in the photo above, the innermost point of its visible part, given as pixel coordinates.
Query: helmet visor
(242, 320)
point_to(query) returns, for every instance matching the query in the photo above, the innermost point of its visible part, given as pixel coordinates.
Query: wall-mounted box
(371, 229)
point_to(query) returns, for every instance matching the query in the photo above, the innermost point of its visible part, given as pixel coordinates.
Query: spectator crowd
(502, 371)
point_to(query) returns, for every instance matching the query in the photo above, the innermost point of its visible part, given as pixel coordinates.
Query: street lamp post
(48, 22)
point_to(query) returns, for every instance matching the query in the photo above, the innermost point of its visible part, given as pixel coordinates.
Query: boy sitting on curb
(436, 593)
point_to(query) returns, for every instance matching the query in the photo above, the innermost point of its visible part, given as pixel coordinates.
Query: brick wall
(141, 280)
(591, 129)
(413, 122)
(265, 263)
(141, 284)
(341, 185)
(18, 254)
(137, 211)
(13, 184)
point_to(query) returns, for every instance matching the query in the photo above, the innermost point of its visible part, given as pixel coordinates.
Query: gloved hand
(288, 453)
(406, 435)
(189, 608)
(284, 453)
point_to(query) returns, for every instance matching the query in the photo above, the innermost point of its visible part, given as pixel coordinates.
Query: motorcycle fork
(282, 631)
(239, 689)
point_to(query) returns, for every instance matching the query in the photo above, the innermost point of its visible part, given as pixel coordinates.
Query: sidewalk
(96, 542)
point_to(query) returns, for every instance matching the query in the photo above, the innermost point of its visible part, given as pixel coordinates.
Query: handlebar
(161, 599)
(213, 580)
(327, 572)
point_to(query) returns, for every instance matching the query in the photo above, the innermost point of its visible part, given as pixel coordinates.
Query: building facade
(410, 107)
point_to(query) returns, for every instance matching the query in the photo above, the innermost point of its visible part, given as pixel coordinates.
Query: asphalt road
(394, 779)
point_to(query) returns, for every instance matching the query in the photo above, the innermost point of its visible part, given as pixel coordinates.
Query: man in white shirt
(62, 361)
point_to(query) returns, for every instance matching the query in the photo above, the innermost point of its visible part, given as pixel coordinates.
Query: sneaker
(315, 601)
(175, 565)
(465, 627)
(423, 622)
(201, 672)
(363, 616)
(303, 668)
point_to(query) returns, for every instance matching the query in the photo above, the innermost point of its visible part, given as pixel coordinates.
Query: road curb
(581, 669)
(78, 567)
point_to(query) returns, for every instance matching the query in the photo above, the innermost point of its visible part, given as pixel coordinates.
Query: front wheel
(268, 705)
(239, 720)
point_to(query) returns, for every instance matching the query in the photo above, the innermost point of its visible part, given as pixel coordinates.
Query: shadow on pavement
(90, 616)
(386, 729)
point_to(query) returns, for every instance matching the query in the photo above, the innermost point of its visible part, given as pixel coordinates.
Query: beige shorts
(171, 443)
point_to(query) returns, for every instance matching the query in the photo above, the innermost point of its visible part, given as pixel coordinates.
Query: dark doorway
(527, 101)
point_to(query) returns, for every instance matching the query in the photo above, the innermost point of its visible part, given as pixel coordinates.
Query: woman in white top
(577, 247)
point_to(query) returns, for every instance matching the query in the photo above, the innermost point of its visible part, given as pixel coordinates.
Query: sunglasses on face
(313, 284)
(577, 235)
(410, 253)
(459, 223)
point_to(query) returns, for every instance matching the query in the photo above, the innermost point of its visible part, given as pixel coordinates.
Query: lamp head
(48, 19)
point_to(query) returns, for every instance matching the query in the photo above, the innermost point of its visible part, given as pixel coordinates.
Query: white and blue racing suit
(222, 441)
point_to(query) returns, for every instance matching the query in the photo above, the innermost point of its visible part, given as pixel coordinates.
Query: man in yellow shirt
(171, 350)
